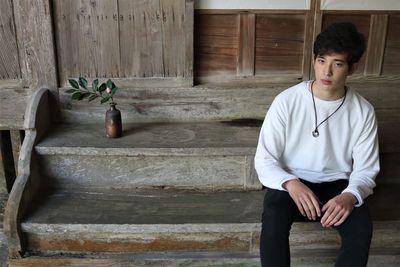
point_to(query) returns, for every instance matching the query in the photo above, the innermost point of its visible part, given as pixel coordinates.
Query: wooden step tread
(179, 138)
(300, 258)
(149, 207)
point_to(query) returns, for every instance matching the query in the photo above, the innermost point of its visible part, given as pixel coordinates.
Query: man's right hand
(306, 201)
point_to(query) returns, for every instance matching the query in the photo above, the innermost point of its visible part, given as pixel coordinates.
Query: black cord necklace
(315, 133)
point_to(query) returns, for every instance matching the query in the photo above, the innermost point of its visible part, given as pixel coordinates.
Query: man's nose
(328, 70)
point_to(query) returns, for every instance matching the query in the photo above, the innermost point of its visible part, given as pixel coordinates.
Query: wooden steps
(165, 188)
(300, 258)
(180, 155)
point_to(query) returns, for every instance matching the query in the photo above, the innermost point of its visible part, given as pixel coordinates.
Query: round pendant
(315, 133)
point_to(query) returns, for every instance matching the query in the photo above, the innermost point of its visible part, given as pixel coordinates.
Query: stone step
(168, 220)
(202, 155)
(300, 258)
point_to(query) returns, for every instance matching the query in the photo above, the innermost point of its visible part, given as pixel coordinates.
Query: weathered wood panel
(9, 65)
(36, 45)
(391, 63)
(141, 36)
(376, 47)
(13, 100)
(246, 52)
(87, 38)
(361, 21)
(279, 43)
(173, 35)
(216, 44)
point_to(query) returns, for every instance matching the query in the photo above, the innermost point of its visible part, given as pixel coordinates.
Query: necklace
(315, 133)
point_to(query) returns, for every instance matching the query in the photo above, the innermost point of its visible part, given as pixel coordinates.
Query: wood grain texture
(216, 44)
(36, 44)
(376, 47)
(189, 39)
(87, 38)
(391, 62)
(246, 51)
(279, 44)
(13, 100)
(141, 38)
(9, 64)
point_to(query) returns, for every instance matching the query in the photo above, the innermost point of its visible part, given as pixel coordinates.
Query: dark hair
(340, 38)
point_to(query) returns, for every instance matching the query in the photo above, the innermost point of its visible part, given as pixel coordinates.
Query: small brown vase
(113, 122)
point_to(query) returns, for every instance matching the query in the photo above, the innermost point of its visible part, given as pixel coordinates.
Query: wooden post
(36, 44)
(247, 36)
(189, 29)
(309, 31)
(7, 159)
(376, 45)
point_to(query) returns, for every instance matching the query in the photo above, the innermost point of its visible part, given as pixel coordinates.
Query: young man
(318, 154)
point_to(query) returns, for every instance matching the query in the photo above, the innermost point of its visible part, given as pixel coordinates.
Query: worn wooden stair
(165, 194)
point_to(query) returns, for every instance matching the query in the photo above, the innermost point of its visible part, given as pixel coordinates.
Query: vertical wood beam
(376, 44)
(318, 16)
(246, 51)
(308, 41)
(189, 43)
(36, 44)
(7, 159)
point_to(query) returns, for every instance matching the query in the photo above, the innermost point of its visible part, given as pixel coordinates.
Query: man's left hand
(338, 209)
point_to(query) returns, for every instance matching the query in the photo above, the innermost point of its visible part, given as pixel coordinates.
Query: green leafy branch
(81, 90)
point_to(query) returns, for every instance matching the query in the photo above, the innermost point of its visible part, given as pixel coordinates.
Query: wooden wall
(9, 65)
(260, 44)
(124, 38)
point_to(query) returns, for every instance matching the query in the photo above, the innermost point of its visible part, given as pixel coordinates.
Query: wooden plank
(316, 30)
(87, 37)
(12, 107)
(189, 39)
(65, 262)
(279, 44)
(7, 159)
(216, 44)
(141, 38)
(391, 62)
(9, 65)
(308, 41)
(246, 53)
(36, 44)
(173, 37)
(376, 45)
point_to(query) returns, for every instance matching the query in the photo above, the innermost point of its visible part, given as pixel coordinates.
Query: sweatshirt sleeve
(365, 162)
(270, 147)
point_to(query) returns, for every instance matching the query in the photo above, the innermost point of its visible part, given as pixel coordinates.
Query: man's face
(331, 71)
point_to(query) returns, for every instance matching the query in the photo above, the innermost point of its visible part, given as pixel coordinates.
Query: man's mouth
(326, 82)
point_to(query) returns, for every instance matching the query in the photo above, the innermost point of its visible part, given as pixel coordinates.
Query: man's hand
(338, 209)
(306, 201)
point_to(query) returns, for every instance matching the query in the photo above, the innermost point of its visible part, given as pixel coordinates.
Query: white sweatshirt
(347, 146)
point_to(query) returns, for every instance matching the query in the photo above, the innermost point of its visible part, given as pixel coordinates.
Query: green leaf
(105, 99)
(71, 91)
(84, 95)
(92, 97)
(109, 83)
(83, 82)
(102, 87)
(76, 95)
(95, 85)
(73, 83)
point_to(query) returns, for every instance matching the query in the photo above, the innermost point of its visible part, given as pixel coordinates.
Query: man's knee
(358, 228)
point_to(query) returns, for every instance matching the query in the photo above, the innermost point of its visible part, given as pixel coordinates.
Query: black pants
(280, 211)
